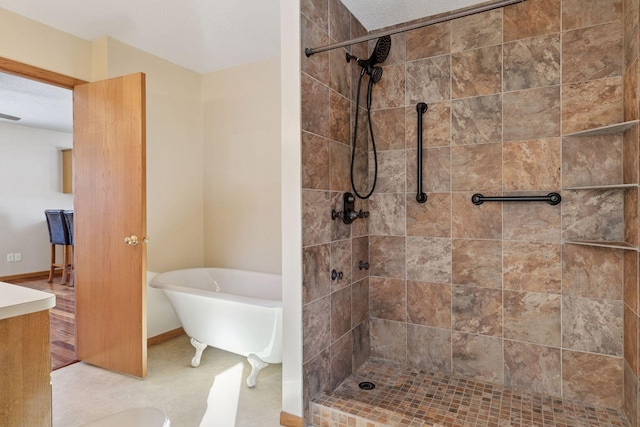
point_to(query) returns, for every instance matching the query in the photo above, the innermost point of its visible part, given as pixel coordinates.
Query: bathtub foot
(257, 365)
(200, 346)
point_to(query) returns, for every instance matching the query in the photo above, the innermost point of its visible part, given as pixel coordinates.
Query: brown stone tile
(436, 125)
(630, 164)
(361, 344)
(630, 35)
(592, 378)
(578, 13)
(593, 215)
(340, 125)
(341, 359)
(389, 340)
(477, 263)
(474, 31)
(533, 367)
(387, 256)
(317, 11)
(436, 174)
(534, 222)
(592, 272)
(476, 310)
(315, 161)
(531, 63)
(317, 66)
(592, 325)
(631, 87)
(532, 317)
(631, 338)
(476, 167)
(631, 216)
(532, 267)
(340, 72)
(429, 304)
(359, 302)
(316, 217)
(398, 52)
(591, 104)
(389, 215)
(532, 165)
(429, 259)
(359, 252)
(316, 282)
(317, 374)
(429, 348)
(531, 18)
(631, 280)
(338, 229)
(580, 154)
(592, 53)
(432, 40)
(428, 80)
(630, 392)
(476, 120)
(316, 327)
(477, 356)
(476, 72)
(390, 90)
(431, 219)
(339, 21)
(340, 155)
(531, 114)
(391, 171)
(360, 227)
(477, 222)
(387, 299)
(340, 313)
(341, 262)
(388, 128)
(316, 108)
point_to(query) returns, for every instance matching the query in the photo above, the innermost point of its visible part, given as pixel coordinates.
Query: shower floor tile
(409, 397)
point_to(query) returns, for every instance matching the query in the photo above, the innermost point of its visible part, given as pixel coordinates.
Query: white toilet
(136, 417)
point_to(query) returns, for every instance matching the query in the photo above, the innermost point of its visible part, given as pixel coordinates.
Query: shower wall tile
(532, 63)
(388, 340)
(316, 217)
(477, 263)
(630, 35)
(428, 80)
(360, 252)
(593, 215)
(532, 165)
(341, 359)
(436, 125)
(316, 281)
(631, 216)
(317, 66)
(431, 219)
(476, 222)
(592, 378)
(432, 40)
(317, 11)
(390, 90)
(531, 114)
(476, 310)
(592, 272)
(476, 72)
(361, 344)
(317, 374)
(398, 52)
(359, 302)
(360, 227)
(532, 317)
(630, 403)
(477, 356)
(429, 304)
(389, 214)
(436, 164)
(387, 256)
(631, 280)
(531, 18)
(387, 299)
(316, 110)
(476, 120)
(479, 30)
(429, 259)
(340, 73)
(591, 104)
(532, 267)
(631, 338)
(339, 22)
(592, 53)
(476, 167)
(388, 128)
(341, 261)
(631, 158)
(429, 348)
(592, 325)
(578, 13)
(316, 317)
(338, 229)
(340, 125)
(631, 86)
(340, 313)
(391, 171)
(533, 367)
(339, 165)
(580, 154)
(533, 222)
(315, 161)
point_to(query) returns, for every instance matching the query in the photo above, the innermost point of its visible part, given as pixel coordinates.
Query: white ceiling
(201, 35)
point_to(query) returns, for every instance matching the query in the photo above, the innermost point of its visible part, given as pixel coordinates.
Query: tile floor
(408, 397)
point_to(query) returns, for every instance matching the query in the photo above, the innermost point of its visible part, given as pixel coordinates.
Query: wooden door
(110, 205)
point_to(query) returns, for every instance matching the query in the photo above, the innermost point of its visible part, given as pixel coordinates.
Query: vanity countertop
(17, 300)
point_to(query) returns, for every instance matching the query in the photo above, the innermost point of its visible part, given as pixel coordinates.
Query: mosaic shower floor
(409, 397)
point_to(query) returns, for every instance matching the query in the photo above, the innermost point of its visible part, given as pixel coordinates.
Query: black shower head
(376, 74)
(378, 56)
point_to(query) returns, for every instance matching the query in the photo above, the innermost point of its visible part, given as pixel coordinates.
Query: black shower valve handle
(336, 275)
(363, 265)
(363, 214)
(336, 214)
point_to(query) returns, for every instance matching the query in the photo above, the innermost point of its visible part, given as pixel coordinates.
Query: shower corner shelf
(602, 244)
(605, 130)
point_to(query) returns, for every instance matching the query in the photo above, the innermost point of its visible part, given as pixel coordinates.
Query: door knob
(133, 240)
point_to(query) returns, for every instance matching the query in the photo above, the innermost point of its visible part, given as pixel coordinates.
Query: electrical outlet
(17, 257)
(9, 257)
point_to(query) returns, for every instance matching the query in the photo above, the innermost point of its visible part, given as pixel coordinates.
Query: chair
(58, 235)
(68, 219)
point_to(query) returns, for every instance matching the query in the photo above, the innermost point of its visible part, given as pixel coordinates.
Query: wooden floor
(63, 325)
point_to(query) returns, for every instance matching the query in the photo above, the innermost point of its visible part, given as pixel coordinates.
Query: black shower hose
(355, 136)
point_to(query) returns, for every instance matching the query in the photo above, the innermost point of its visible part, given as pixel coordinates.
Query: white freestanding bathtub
(233, 310)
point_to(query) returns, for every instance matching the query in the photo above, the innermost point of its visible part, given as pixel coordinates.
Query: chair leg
(65, 262)
(53, 263)
(71, 266)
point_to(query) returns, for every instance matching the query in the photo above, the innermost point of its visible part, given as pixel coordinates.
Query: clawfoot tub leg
(200, 346)
(257, 365)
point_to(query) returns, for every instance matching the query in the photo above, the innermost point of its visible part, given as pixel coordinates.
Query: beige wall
(242, 167)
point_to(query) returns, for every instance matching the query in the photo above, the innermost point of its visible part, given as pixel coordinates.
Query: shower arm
(443, 18)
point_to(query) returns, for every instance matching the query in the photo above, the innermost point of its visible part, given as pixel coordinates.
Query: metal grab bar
(551, 198)
(421, 108)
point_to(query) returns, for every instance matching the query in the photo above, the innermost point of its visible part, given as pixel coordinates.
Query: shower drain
(367, 385)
